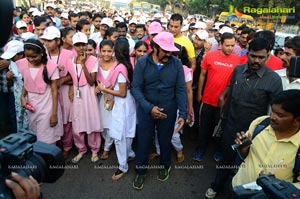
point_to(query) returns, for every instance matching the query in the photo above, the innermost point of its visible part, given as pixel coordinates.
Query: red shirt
(219, 70)
(273, 63)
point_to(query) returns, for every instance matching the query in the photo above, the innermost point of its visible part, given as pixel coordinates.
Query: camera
(270, 188)
(245, 142)
(23, 154)
(294, 70)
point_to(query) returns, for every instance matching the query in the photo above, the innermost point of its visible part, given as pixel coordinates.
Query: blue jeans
(145, 135)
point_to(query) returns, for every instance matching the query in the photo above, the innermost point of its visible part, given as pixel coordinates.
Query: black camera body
(272, 188)
(277, 189)
(245, 142)
(21, 153)
(294, 70)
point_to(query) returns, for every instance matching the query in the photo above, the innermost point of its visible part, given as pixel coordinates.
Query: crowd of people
(69, 76)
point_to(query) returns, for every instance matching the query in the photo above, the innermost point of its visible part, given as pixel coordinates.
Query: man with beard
(249, 94)
(159, 88)
(64, 18)
(104, 25)
(291, 48)
(50, 11)
(96, 20)
(274, 149)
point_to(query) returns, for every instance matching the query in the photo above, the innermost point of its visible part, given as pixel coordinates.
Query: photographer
(291, 48)
(23, 188)
(273, 150)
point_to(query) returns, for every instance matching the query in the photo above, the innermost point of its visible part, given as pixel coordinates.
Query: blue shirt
(163, 88)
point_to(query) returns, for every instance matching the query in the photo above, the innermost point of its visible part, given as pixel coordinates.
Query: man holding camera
(274, 149)
(291, 48)
(248, 96)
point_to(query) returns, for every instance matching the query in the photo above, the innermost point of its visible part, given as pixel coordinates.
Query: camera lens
(34, 166)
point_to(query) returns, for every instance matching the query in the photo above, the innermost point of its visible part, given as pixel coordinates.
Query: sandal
(118, 174)
(104, 155)
(129, 159)
(94, 158)
(77, 158)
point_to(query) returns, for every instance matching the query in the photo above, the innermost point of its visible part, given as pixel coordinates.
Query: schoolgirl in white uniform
(123, 122)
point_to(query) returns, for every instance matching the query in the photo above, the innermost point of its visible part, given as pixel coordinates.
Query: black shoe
(164, 174)
(138, 182)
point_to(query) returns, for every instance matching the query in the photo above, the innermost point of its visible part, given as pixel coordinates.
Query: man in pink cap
(159, 87)
(154, 28)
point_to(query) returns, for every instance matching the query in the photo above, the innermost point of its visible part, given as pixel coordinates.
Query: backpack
(260, 127)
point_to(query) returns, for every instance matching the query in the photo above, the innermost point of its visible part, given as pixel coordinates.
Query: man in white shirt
(291, 48)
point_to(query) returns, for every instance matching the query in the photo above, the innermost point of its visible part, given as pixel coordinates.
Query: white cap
(225, 29)
(33, 9)
(12, 48)
(200, 24)
(21, 24)
(185, 22)
(107, 21)
(184, 28)
(51, 33)
(132, 21)
(158, 15)
(52, 5)
(202, 34)
(79, 37)
(119, 19)
(37, 13)
(28, 35)
(64, 15)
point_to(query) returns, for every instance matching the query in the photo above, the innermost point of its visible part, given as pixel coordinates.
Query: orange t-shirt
(219, 70)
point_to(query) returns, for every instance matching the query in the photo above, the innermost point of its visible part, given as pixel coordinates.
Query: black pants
(8, 120)
(225, 169)
(209, 116)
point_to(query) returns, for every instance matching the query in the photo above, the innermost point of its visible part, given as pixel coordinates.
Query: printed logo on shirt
(217, 63)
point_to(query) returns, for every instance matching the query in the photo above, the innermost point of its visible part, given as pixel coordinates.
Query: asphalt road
(88, 180)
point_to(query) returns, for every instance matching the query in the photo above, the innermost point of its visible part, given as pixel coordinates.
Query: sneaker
(198, 156)
(180, 156)
(138, 182)
(164, 174)
(218, 156)
(210, 193)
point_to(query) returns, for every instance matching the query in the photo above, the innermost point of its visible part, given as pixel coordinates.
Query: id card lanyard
(78, 79)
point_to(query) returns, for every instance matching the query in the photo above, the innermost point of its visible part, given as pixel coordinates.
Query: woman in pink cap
(85, 116)
(39, 93)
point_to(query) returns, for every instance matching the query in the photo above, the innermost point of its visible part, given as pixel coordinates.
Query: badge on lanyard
(77, 93)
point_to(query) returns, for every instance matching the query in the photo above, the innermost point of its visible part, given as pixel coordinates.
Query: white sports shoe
(210, 193)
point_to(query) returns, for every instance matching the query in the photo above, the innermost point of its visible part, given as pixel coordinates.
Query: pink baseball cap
(154, 28)
(165, 40)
